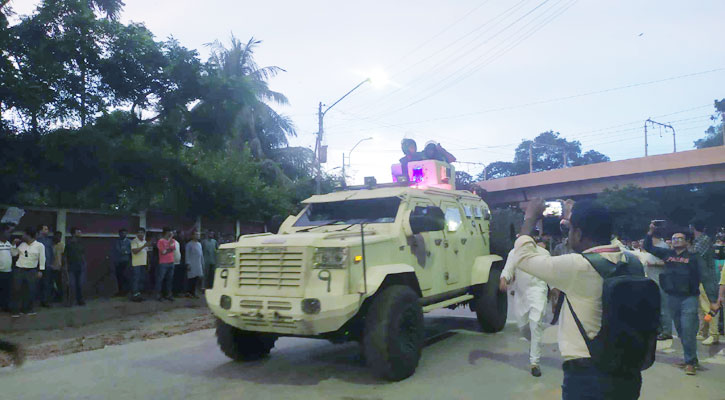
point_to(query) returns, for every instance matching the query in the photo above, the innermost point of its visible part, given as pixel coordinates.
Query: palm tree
(236, 106)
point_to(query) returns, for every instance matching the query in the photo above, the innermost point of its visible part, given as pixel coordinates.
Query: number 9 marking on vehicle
(325, 275)
(224, 274)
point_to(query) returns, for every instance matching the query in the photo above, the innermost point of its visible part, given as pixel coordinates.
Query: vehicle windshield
(378, 211)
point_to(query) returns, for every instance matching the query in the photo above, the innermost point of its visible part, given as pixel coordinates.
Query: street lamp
(320, 130)
(349, 153)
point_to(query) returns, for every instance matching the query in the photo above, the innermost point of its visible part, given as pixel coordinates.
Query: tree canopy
(548, 151)
(101, 114)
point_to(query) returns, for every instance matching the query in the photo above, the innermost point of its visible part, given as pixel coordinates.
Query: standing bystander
(57, 267)
(680, 279)
(703, 247)
(195, 263)
(209, 246)
(653, 267)
(139, 262)
(46, 292)
(165, 272)
(178, 284)
(121, 259)
(29, 267)
(6, 268)
(75, 259)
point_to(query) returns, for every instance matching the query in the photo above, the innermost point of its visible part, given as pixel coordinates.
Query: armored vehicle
(363, 264)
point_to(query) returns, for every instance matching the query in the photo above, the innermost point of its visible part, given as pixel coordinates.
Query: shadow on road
(305, 361)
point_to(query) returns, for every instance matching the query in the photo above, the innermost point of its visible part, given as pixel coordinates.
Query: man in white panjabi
(530, 298)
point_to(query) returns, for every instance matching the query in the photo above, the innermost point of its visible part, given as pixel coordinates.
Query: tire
(242, 345)
(394, 333)
(491, 304)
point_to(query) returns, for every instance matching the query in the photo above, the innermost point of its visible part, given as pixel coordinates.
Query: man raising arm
(590, 232)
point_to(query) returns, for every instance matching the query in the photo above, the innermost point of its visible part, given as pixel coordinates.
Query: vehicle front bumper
(283, 315)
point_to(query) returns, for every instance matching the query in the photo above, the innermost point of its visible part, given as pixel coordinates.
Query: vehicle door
(454, 240)
(426, 250)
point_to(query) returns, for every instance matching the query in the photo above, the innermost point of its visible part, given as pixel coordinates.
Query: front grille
(270, 269)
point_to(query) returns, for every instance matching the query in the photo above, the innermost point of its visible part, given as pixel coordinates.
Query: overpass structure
(683, 168)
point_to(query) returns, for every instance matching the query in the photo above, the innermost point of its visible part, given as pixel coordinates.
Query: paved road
(458, 363)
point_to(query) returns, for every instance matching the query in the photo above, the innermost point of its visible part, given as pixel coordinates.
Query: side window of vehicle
(453, 219)
(479, 213)
(468, 211)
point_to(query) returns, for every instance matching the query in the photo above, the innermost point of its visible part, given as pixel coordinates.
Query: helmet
(406, 143)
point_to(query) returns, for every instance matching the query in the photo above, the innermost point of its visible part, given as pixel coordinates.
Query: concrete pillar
(142, 219)
(238, 230)
(197, 225)
(60, 221)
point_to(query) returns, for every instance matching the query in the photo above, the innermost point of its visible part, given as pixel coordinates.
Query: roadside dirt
(39, 345)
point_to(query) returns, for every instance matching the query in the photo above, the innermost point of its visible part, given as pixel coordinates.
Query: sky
(478, 76)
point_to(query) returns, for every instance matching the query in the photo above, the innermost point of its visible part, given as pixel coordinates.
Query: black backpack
(627, 341)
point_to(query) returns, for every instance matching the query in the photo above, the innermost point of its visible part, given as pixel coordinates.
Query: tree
(714, 133)
(631, 208)
(235, 107)
(464, 181)
(548, 151)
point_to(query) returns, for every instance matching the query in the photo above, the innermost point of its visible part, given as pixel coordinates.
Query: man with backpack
(681, 280)
(605, 342)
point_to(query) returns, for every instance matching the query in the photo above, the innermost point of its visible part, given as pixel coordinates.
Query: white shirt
(31, 255)
(530, 292)
(6, 257)
(575, 276)
(177, 252)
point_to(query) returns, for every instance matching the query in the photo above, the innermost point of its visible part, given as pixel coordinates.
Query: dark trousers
(24, 283)
(137, 278)
(164, 274)
(209, 275)
(121, 269)
(583, 381)
(179, 284)
(193, 283)
(5, 286)
(76, 278)
(48, 286)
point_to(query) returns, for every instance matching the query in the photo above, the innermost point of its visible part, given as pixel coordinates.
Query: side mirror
(427, 219)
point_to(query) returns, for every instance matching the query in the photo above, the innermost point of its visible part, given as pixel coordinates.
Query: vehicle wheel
(242, 345)
(491, 304)
(394, 333)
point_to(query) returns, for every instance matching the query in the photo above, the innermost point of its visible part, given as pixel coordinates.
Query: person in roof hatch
(410, 149)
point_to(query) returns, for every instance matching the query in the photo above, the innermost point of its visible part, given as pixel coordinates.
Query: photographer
(573, 274)
(681, 280)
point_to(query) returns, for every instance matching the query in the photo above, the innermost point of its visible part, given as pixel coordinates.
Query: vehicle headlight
(330, 257)
(226, 258)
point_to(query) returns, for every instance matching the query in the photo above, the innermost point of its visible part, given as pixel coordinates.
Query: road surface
(458, 363)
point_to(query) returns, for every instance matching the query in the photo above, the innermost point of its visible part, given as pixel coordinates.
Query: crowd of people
(42, 268)
(574, 276)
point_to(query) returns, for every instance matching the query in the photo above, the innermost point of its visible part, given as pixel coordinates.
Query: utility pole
(344, 177)
(318, 150)
(645, 137)
(531, 157)
(320, 130)
(666, 126)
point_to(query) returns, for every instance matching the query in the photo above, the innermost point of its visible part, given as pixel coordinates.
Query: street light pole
(349, 153)
(320, 131)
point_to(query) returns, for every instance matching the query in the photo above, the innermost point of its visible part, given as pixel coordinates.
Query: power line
(441, 52)
(452, 79)
(563, 98)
